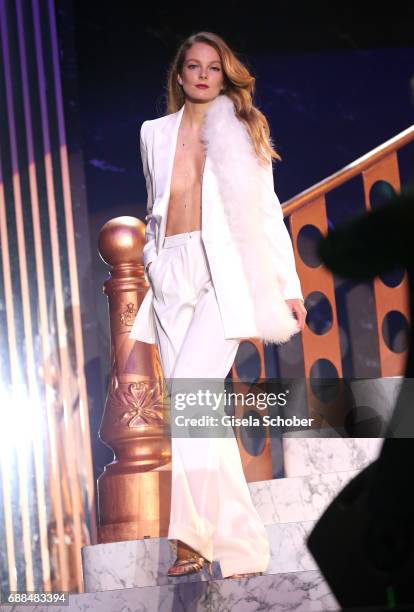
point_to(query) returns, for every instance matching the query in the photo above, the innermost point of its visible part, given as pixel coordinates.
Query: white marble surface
(289, 552)
(127, 565)
(302, 498)
(318, 469)
(310, 455)
(300, 591)
(288, 507)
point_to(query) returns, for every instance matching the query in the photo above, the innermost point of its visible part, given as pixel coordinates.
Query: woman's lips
(202, 86)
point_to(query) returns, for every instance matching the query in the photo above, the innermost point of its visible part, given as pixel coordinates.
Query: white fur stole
(245, 194)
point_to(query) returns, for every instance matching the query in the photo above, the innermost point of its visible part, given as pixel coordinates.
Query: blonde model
(221, 268)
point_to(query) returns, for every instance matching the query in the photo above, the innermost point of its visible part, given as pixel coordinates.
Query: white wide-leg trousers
(211, 507)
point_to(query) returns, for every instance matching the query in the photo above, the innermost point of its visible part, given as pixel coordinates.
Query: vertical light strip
(27, 322)
(73, 272)
(11, 336)
(44, 333)
(61, 323)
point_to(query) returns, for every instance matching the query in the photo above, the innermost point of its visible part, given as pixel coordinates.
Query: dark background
(334, 81)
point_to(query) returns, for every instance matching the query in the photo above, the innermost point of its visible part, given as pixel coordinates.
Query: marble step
(289, 507)
(299, 591)
(144, 564)
(328, 453)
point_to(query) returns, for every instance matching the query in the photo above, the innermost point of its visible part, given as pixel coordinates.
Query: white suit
(238, 203)
(208, 290)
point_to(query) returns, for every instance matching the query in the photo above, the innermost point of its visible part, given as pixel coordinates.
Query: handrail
(349, 171)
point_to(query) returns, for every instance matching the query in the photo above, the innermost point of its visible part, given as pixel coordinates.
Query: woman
(220, 265)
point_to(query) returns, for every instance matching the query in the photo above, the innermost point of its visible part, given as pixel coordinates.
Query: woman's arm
(149, 251)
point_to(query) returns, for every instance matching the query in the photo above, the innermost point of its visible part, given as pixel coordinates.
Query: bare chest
(188, 166)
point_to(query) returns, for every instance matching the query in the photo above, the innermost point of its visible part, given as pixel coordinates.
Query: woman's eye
(195, 66)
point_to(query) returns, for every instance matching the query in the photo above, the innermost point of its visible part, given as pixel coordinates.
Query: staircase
(132, 575)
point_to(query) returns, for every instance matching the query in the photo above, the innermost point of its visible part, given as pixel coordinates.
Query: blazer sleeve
(150, 250)
(279, 238)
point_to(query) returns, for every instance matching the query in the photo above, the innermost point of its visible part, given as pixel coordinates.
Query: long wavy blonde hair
(238, 84)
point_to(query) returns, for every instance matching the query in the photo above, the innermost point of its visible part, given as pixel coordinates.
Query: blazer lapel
(165, 145)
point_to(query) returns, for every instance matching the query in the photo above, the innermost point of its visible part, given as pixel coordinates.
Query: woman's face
(202, 66)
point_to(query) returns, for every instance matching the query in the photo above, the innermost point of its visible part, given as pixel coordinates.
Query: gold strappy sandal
(244, 575)
(190, 565)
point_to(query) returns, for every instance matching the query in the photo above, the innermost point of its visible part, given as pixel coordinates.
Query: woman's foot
(244, 575)
(188, 561)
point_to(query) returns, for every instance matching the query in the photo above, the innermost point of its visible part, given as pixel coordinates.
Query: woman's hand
(296, 305)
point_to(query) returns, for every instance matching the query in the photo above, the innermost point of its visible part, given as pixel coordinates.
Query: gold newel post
(134, 490)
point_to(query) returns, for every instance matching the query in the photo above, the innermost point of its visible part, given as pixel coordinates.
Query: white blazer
(158, 140)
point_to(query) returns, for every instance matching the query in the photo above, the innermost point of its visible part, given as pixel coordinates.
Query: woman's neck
(193, 115)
